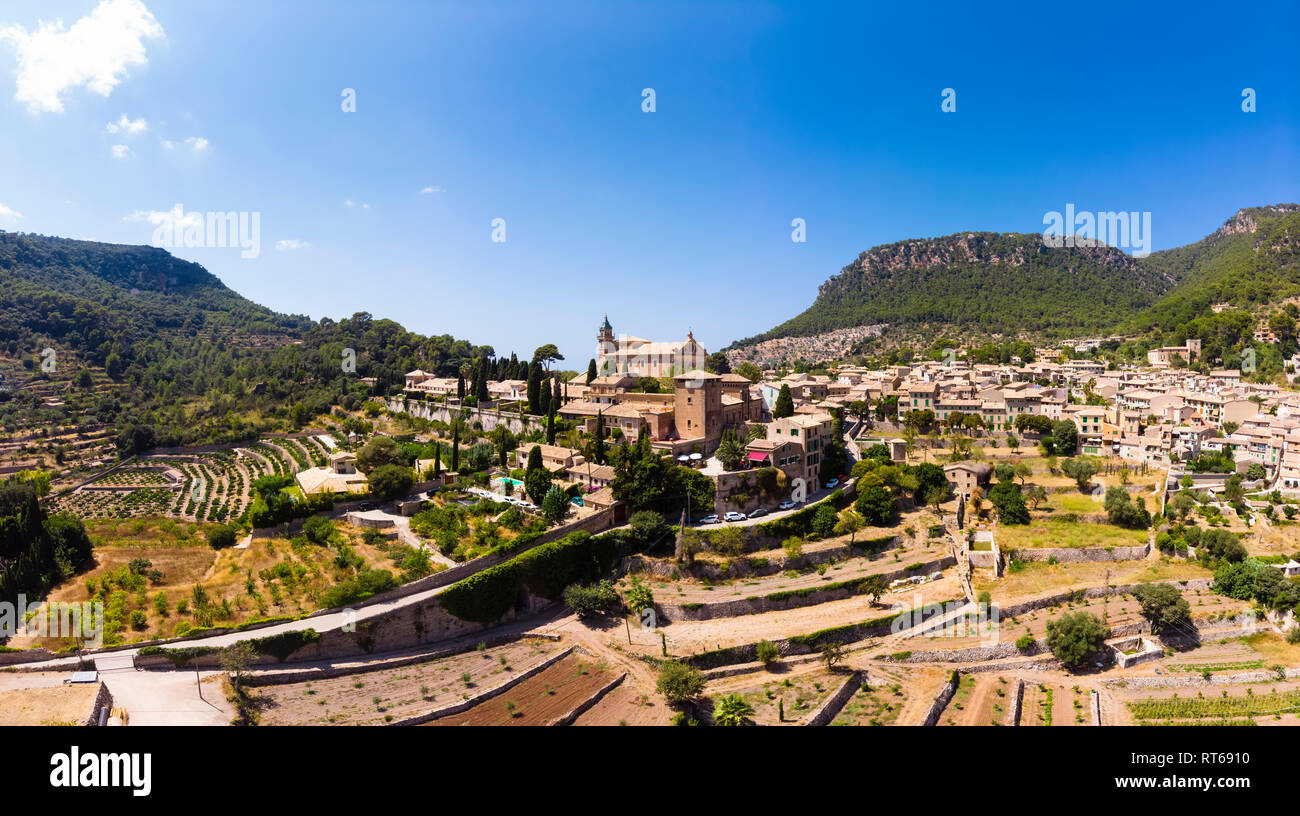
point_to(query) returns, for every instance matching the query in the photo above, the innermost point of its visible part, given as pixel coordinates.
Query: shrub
(823, 520)
(768, 653)
(639, 596)
(679, 683)
(594, 599)
(318, 530)
(1073, 638)
(1025, 642)
(222, 536)
(732, 710)
(793, 547)
(648, 527)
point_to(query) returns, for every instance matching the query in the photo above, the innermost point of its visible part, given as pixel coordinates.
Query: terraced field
(1055, 705)
(378, 697)
(212, 487)
(880, 700)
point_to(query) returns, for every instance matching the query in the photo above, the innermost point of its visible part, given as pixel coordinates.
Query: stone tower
(605, 348)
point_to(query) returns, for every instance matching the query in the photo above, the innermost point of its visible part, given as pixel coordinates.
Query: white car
(734, 516)
(786, 505)
(710, 519)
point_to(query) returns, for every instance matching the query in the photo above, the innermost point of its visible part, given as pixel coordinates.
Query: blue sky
(676, 219)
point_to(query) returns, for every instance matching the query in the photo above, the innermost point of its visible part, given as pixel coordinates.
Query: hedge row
(544, 570)
(284, 644)
(873, 545)
(853, 586)
(178, 657)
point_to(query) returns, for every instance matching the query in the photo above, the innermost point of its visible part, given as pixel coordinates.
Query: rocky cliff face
(1247, 218)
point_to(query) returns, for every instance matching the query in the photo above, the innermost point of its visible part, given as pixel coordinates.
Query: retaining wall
(1084, 554)
(1017, 699)
(465, 705)
(833, 704)
(941, 699)
(759, 604)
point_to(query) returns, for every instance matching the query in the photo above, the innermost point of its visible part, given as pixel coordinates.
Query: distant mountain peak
(1247, 218)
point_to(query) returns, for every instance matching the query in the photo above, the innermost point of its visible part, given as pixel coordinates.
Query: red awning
(757, 456)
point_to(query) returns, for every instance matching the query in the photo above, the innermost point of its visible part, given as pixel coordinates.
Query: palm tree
(732, 709)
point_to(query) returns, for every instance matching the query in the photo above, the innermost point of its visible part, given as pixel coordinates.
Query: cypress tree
(599, 451)
(544, 398)
(550, 428)
(534, 387)
(784, 403)
(455, 447)
(460, 384)
(591, 370)
(482, 392)
(557, 399)
(437, 459)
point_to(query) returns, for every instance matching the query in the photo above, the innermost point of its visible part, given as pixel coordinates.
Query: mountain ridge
(1013, 284)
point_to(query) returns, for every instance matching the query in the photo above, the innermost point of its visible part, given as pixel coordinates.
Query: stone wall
(759, 604)
(1059, 598)
(740, 567)
(25, 656)
(406, 627)
(103, 704)
(832, 705)
(489, 418)
(1144, 651)
(1081, 554)
(941, 699)
(1017, 699)
(473, 700)
(968, 654)
(1193, 680)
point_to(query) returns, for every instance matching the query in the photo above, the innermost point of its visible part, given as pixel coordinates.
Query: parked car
(832, 484)
(734, 516)
(786, 505)
(755, 513)
(712, 518)
(367, 505)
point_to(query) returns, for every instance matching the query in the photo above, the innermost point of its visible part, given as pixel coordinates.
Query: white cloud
(196, 143)
(6, 212)
(121, 152)
(363, 205)
(94, 52)
(432, 189)
(290, 244)
(128, 126)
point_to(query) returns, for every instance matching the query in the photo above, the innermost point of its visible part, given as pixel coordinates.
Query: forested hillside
(1011, 284)
(1003, 282)
(184, 355)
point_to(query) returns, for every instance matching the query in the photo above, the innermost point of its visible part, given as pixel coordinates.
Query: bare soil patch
(552, 693)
